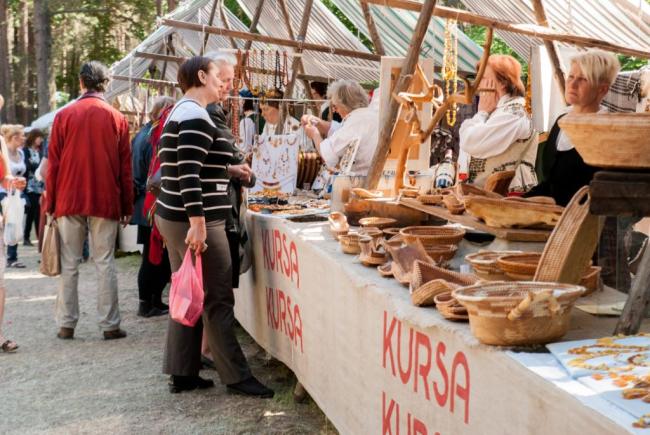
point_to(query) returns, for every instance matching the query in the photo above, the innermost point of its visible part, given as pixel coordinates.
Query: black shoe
(114, 335)
(251, 387)
(144, 308)
(27, 242)
(16, 264)
(164, 308)
(178, 384)
(207, 363)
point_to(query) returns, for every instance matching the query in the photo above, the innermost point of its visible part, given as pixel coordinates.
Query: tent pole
(297, 61)
(272, 40)
(226, 25)
(401, 85)
(210, 21)
(540, 16)
(372, 29)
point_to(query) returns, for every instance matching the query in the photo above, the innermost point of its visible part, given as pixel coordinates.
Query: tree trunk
(5, 66)
(171, 5)
(21, 79)
(159, 8)
(43, 46)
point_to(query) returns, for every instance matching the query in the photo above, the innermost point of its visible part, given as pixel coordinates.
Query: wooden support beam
(297, 65)
(540, 16)
(213, 12)
(179, 60)
(531, 30)
(287, 18)
(271, 40)
(145, 81)
(226, 25)
(401, 85)
(372, 29)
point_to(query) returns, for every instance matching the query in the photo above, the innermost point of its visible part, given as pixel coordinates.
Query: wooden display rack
(510, 234)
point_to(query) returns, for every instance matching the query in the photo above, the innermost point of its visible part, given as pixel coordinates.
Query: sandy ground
(89, 385)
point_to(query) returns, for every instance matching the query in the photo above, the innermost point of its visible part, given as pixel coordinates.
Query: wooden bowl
(378, 222)
(610, 140)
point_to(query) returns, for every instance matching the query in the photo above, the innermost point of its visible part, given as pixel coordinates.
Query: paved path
(89, 385)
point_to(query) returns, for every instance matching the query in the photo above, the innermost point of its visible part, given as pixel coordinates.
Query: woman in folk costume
(500, 137)
(279, 122)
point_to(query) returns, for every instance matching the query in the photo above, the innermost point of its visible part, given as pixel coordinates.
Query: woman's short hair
(598, 66)
(508, 72)
(159, 105)
(273, 95)
(319, 87)
(33, 134)
(94, 75)
(188, 72)
(8, 131)
(348, 94)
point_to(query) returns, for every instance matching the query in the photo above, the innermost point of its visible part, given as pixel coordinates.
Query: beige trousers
(103, 233)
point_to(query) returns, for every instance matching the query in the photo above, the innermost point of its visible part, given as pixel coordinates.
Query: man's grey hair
(347, 94)
(221, 58)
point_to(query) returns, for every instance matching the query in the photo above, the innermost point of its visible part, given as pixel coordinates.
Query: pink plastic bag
(186, 293)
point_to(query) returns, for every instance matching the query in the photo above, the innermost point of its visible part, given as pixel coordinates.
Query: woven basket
(519, 267)
(428, 272)
(370, 255)
(610, 140)
(485, 266)
(367, 194)
(518, 313)
(453, 204)
(431, 236)
(377, 222)
(442, 253)
(429, 199)
(591, 280)
(350, 243)
(423, 296)
(338, 224)
(404, 259)
(390, 232)
(449, 307)
(386, 269)
(410, 192)
(376, 234)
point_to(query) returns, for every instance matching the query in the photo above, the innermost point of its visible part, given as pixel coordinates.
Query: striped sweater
(193, 157)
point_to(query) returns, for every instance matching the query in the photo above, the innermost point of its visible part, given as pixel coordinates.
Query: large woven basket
(404, 259)
(611, 140)
(430, 236)
(518, 313)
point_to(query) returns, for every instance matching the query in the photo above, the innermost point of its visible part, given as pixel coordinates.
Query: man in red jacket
(89, 188)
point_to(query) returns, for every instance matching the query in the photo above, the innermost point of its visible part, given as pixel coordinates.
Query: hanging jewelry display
(263, 72)
(254, 76)
(450, 67)
(529, 92)
(285, 75)
(277, 80)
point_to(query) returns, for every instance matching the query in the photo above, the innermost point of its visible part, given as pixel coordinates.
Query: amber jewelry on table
(643, 422)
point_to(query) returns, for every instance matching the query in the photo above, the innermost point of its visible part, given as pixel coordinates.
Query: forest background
(45, 42)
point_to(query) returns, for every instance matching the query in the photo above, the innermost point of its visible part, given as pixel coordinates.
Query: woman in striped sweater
(196, 167)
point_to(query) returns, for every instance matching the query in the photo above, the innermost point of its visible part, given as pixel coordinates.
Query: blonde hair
(348, 94)
(160, 104)
(8, 131)
(598, 66)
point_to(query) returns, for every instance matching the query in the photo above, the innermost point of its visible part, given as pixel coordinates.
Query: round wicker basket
(431, 236)
(390, 232)
(485, 266)
(519, 267)
(518, 313)
(350, 243)
(377, 222)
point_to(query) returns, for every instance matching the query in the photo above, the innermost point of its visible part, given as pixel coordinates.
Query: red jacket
(89, 161)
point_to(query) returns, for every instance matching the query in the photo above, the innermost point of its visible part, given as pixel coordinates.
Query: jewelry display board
(275, 163)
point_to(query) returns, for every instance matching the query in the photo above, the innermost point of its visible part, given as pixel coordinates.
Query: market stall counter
(374, 363)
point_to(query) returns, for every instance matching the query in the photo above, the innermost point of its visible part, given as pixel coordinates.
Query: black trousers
(152, 278)
(32, 214)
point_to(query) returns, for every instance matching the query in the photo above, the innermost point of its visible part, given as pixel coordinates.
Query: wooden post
(372, 29)
(638, 300)
(532, 30)
(226, 24)
(297, 61)
(386, 130)
(540, 16)
(213, 12)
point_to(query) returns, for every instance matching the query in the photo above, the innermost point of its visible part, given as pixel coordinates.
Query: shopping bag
(51, 252)
(186, 292)
(13, 207)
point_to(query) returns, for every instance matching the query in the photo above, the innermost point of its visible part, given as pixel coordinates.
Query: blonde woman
(588, 81)
(14, 136)
(9, 181)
